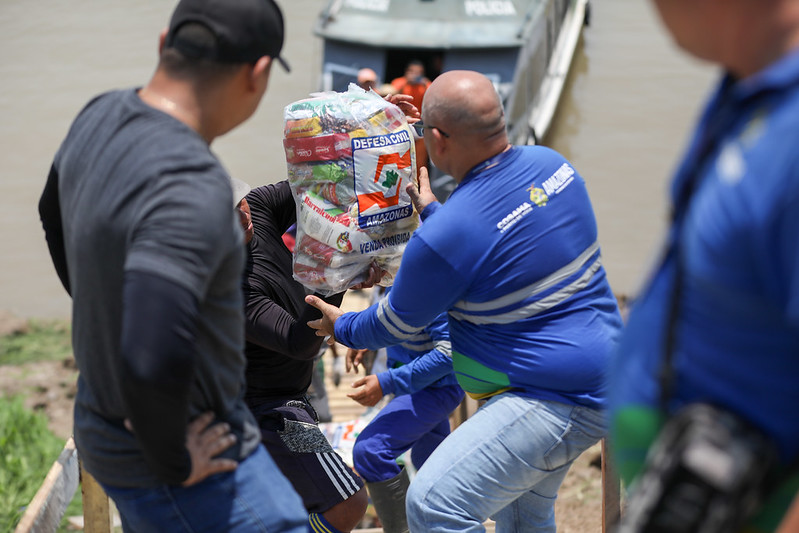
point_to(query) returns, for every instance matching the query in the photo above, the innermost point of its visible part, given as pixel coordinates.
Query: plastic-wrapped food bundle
(350, 156)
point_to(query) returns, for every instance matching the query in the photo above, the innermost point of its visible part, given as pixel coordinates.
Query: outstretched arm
(268, 324)
(426, 285)
(417, 374)
(324, 326)
(420, 372)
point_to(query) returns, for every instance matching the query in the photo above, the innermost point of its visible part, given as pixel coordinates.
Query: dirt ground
(49, 387)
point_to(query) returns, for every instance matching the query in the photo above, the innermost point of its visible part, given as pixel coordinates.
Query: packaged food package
(349, 157)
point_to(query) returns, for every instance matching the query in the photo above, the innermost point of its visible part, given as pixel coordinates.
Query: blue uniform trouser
(418, 421)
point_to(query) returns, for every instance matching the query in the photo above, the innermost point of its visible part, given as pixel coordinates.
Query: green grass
(42, 341)
(27, 451)
(27, 447)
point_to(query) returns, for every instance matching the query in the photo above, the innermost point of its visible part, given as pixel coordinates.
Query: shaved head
(465, 105)
(465, 102)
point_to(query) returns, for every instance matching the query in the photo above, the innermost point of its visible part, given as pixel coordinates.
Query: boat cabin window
(397, 59)
(343, 60)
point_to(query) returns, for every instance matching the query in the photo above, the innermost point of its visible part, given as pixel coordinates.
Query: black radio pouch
(706, 472)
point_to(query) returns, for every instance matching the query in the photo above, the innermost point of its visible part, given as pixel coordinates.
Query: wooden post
(611, 492)
(51, 500)
(97, 515)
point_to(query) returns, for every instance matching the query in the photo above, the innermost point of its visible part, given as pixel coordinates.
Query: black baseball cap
(245, 30)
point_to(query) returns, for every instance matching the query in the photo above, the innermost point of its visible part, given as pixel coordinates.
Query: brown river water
(627, 108)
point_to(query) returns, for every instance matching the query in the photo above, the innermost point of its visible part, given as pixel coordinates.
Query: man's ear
(441, 143)
(260, 72)
(162, 40)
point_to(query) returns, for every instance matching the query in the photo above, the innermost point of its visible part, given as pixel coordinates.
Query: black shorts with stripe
(290, 431)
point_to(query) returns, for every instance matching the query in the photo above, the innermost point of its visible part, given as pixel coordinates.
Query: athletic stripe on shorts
(338, 474)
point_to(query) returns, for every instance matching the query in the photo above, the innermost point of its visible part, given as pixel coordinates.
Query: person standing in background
(137, 216)
(415, 84)
(718, 322)
(367, 79)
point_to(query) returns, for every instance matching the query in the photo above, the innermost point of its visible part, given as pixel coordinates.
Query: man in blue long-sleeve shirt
(513, 258)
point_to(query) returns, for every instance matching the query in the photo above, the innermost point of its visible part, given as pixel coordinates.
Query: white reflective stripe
(536, 307)
(422, 336)
(388, 318)
(418, 347)
(444, 347)
(333, 471)
(539, 286)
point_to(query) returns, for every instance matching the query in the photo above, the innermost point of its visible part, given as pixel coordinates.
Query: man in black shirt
(136, 212)
(281, 352)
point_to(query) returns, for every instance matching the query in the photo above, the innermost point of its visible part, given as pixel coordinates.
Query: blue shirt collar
(489, 163)
(778, 76)
(727, 105)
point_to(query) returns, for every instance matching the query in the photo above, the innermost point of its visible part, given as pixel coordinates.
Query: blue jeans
(506, 462)
(255, 497)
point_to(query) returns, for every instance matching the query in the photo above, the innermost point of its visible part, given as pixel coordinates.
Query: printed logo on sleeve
(513, 217)
(539, 196)
(559, 180)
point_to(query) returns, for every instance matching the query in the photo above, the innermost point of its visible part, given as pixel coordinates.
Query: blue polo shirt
(737, 328)
(513, 259)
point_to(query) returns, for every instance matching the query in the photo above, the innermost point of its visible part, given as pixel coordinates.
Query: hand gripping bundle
(350, 156)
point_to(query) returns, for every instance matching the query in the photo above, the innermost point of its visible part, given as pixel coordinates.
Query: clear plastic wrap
(350, 156)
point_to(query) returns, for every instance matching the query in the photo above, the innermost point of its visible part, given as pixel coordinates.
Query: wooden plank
(97, 514)
(611, 492)
(51, 500)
